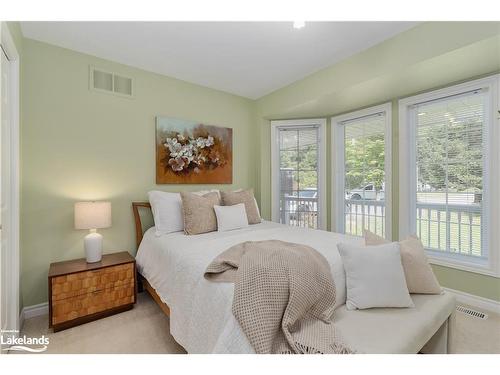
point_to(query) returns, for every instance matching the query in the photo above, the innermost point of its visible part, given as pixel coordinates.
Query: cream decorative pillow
(199, 214)
(418, 273)
(230, 198)
(203, 192)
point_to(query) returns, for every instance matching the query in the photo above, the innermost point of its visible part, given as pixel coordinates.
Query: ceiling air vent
(109, 82)
(471, 312)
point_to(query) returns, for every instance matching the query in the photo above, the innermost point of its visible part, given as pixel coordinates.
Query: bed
(172, 267)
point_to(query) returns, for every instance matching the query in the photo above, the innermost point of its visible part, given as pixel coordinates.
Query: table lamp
(93, 216)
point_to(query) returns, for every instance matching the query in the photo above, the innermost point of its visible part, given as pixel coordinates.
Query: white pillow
(374, 276)
(231, 217)
(167, 211)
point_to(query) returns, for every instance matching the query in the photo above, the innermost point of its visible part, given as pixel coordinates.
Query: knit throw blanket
(284, 296)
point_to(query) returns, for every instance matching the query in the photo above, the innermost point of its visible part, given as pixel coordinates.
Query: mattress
(200, 311)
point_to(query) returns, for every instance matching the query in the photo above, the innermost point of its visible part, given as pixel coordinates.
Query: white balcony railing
(362, 214)
(454, 228)
(300, 212)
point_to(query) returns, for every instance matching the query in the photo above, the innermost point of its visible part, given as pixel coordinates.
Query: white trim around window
(275, 163)
(338, 165)
(491, 174)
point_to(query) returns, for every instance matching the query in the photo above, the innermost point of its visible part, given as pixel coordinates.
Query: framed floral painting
(189, 152)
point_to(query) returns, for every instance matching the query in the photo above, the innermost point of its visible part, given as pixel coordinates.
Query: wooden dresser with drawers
(80, 292)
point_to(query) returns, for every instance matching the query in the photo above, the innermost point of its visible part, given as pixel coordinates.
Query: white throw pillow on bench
(374, 276)
(231, 217)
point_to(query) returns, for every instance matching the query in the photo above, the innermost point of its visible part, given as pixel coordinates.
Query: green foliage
(365, 162)
(306, 162)
(451, 153)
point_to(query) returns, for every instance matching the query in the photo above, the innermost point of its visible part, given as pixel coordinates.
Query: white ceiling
(250, 59)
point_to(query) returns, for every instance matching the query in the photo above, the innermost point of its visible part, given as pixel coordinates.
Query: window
(298, 169)
(450, 143)
(362, 163)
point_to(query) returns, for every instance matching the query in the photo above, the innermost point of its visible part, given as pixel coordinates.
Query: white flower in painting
(210, 141)
(200, 142)
(188, 152)
(173, 146)
(177, 164)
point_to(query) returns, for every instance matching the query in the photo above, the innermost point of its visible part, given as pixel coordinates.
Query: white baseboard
(475, 301)
(32, 311)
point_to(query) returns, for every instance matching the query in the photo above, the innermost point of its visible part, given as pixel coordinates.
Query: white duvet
(201, 319)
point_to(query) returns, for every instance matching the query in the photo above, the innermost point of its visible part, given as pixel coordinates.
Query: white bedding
(201, 319)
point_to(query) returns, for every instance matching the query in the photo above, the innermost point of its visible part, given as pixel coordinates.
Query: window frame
(276, 125)
(407, 174)
(338, 165)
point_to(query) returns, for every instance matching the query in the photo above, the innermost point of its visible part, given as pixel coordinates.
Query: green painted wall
(77, 144)
(427, 57)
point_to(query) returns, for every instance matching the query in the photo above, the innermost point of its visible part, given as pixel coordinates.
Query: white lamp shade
(92, 215)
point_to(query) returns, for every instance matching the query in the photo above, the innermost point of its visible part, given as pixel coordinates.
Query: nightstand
(80, 292)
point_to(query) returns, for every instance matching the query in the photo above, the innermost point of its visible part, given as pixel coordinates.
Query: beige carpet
(145, 329)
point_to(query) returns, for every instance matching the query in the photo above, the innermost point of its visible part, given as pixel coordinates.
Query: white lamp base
(93, 247)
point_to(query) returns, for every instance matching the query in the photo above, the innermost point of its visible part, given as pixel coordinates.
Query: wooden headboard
(139, 227)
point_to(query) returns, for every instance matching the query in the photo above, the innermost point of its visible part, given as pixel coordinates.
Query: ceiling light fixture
(298, 24)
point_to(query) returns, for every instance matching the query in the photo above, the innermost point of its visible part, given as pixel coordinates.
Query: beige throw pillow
(230, 198)
(198, 211)
(419, 276)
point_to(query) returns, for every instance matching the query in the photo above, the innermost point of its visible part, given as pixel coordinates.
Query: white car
(367, 192)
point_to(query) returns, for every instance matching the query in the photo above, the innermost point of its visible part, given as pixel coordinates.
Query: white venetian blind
(364, 174)
(298, 178)
(450, 174)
